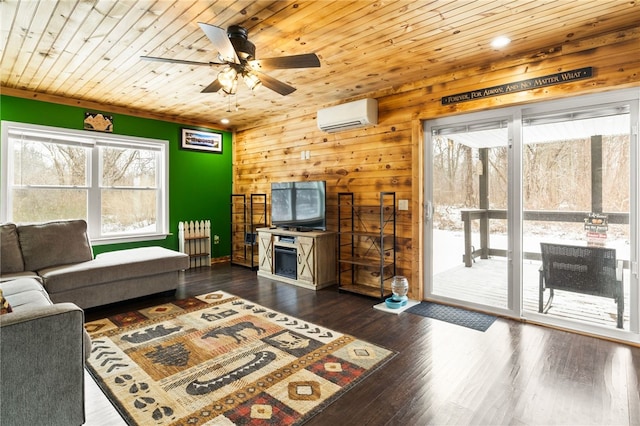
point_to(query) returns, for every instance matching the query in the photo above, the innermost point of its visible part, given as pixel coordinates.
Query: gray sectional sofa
(47, 275)
(59, 255)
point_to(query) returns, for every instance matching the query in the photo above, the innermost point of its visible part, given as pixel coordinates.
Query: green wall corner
(200, 183)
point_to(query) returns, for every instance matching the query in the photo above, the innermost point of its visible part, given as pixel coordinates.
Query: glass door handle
(428, 213)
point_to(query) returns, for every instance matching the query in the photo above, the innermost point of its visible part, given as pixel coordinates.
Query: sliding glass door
(501, 186)
(469, 202)
(577, 201)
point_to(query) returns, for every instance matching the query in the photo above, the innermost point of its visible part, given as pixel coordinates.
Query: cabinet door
(306, 259)
(265, 259)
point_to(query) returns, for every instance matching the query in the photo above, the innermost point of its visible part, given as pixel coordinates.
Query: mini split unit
(348, 116)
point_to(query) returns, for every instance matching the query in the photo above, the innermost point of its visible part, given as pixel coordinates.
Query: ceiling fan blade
(177, 61)
(276, 85)
(307, 60)
(213, 87)
(221, 42)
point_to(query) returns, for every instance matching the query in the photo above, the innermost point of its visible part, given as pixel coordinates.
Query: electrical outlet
(216, 239)
(403, 204)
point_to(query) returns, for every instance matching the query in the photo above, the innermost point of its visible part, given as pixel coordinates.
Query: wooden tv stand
(305, 259)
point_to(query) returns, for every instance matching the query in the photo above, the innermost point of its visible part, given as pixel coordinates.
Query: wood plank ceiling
(90, 49)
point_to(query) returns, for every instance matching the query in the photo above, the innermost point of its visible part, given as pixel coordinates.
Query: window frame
(94, 141)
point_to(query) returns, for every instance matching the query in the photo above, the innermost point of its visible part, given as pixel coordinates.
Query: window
(118, 184)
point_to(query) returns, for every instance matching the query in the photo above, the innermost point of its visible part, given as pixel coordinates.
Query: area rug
(217, 359)
(451, 314)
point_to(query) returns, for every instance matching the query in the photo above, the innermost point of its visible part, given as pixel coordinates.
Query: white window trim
(93, 139)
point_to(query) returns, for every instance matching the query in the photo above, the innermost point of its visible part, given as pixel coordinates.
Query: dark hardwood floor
(514, 373)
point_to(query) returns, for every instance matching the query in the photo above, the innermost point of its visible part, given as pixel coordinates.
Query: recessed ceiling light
(499, 42)
(225, 121)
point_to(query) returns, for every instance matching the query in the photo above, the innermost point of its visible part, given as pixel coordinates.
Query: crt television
(299, 205)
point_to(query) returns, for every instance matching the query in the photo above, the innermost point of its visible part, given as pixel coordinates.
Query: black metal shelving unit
(366, 245)
(248, 213)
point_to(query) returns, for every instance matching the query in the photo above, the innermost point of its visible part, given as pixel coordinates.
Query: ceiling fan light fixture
(235, 54)
(227, 76)
(251, 80)
(228, 79)
(232, 88)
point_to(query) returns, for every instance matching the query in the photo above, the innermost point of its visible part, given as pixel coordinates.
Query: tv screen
(300, 205)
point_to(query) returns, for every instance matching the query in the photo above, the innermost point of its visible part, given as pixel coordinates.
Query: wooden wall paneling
(620, 74)
(389, 156)
(539, 62)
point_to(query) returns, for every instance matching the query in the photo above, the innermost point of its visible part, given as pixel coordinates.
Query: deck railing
(485, 215)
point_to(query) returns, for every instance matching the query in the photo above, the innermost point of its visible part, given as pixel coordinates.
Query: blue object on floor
(470, 319)
(396, 304)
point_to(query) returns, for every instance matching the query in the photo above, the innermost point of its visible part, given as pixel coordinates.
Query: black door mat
(470, 319)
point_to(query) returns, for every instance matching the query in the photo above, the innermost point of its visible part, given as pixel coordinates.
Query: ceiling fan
(237, 54)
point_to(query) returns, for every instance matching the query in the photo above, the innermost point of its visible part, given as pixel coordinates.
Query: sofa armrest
(40, 313)
(43, 352)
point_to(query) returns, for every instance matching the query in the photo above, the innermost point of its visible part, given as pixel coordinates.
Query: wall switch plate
(403, 204)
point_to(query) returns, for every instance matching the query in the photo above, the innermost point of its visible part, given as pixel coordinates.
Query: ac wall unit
(348, 116)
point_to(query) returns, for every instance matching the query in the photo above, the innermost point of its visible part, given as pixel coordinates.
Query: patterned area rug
(451, 314)
(217, 359)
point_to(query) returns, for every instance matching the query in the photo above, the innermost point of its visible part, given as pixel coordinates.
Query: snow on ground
(448, 246)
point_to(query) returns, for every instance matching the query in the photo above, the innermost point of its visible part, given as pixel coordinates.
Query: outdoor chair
(586, 270)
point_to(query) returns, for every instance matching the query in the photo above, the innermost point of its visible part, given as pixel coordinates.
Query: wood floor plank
(514, 373)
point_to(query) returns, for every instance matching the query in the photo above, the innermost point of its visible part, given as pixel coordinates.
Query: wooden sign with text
(519, 86)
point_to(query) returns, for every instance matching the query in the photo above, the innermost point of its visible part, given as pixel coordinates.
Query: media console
(306, 259)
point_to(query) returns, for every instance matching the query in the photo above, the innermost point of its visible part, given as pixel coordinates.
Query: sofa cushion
(20, 285)
(10, 255)
(54, 243)
(25, 292)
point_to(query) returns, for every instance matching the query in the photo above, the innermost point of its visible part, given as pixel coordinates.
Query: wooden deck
(486, 283)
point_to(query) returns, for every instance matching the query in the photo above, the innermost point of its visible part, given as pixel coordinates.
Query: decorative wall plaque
(98, 122)
(520, 86)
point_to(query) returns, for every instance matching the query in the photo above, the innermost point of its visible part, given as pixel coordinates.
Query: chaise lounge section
(59, 255)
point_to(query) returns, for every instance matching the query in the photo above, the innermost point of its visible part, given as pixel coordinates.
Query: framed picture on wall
(200, 140)
(98, 122)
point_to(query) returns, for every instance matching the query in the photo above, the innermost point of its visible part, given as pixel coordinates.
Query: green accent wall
(200, 183)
